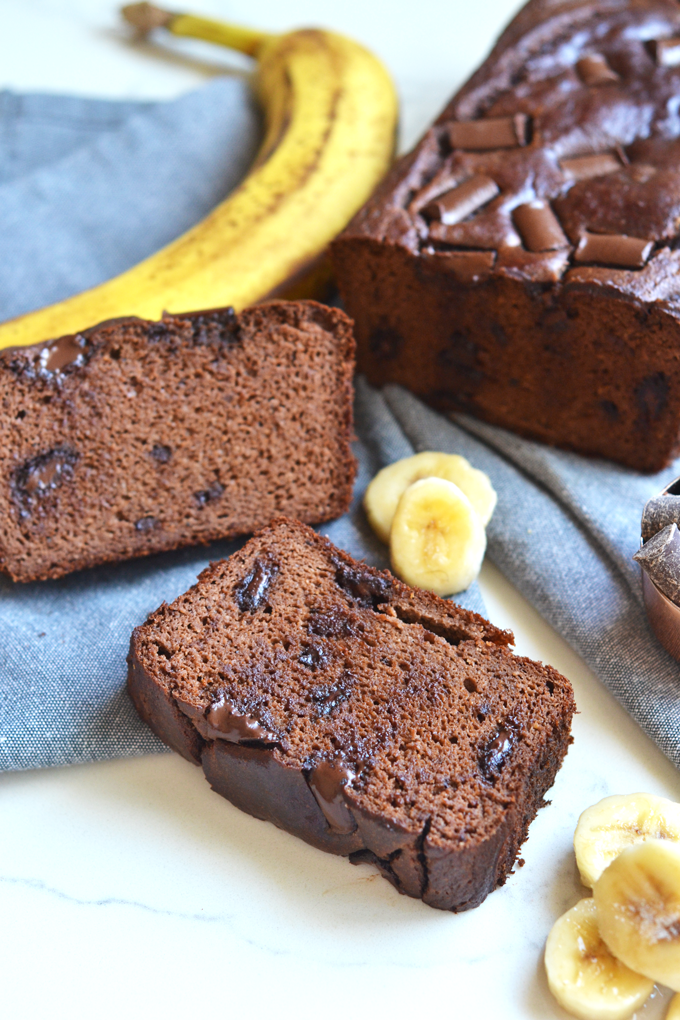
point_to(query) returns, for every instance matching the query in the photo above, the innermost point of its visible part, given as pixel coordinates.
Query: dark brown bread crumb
(371, 719)
(522, 263)
(135, 437)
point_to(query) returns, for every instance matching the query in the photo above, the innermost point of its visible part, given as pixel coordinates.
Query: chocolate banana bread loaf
(371, 719)
(133, 436)
(522, 263)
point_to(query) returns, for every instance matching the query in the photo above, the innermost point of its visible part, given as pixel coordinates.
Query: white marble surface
(128, 889)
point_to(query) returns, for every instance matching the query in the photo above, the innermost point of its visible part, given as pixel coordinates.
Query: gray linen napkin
(88, 188)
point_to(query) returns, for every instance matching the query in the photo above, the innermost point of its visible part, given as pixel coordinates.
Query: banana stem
(146, 16)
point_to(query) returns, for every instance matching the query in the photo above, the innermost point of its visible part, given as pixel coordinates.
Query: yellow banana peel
(330, 118)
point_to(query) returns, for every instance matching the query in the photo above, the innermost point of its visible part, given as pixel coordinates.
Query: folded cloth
(88, 188)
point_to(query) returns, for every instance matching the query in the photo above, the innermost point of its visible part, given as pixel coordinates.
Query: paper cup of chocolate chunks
(659, 558)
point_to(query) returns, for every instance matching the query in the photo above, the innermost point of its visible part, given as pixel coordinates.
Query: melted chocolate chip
(327, 781)
(467, 266)
(614, 250)
(226, 722)
(162, 454)
(40, 475)
(147, 524)
(497, 751)
(459, 203)
(209, 495)
(539, 227)
(594, 70)
(333, 623)
(490, 133)
(651, 397)
(158, 331)
(251, 592)
(67, 352)
(329, 696)
(385, 343)
(219, 326)
(368, 589)
(314, 657)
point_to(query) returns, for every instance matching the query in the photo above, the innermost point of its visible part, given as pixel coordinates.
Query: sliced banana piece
(615, 823)
(674, 1008)
(583, 975)
(388, 486)
(437, 540)
(638, 909)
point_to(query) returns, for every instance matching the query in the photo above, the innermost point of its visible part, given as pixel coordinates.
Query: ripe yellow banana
(330, 117)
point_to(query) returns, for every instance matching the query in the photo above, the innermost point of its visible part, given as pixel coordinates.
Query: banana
(388, 486)
(608, 827)
(437, 540)
(330, 118)
(673, 1012)
(583, 975)
(638, 910)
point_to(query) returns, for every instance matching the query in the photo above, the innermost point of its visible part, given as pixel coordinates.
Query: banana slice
(674, 1009)
(437, 540)
(583, 975)
(638, 909)
(383, 494)
(615, 823)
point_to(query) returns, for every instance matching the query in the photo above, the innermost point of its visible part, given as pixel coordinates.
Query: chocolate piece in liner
(660, 559)
(490, 133)
(460, 202)
(614, 250)
(666, 51)
(658, 513)
(539, 227)
(327, 781)
(595, 70)
(582, 168)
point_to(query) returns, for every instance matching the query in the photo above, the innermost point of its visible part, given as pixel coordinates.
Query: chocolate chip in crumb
(160, 453)
(147, 524)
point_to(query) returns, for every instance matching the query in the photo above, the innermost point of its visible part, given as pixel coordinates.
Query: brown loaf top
(134, 436)
(522, 263)
(368, 718)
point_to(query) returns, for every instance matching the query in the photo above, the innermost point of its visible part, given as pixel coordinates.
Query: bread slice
(368, 718)
(134, 437)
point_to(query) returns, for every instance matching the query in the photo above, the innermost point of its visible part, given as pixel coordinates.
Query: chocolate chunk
(490, 133)
(594, 70)
(327, 781)
(329, 696)
(385, 343)
(666, 52)
(538, 267)
(218, 326)
(147, 524)
(581, 168)
(539, 227)
(651, 396)
(461, 202)
(368, 589)
(314, 657)
(658, 513)
(614, 250)
(497, 751)
(333, 623)
(209, 495)
(251, 592)
(42, 474)
(226, 722)
(158, 331)
(162, 454)
(68, 351)
(659, 557)
(467, 266)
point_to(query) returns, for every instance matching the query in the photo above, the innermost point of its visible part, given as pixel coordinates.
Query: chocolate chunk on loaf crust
(522, 263)
(368, 718)
(134, 437)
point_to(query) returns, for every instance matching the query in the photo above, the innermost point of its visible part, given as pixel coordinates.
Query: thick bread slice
(371, 719)
(134, 437)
